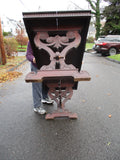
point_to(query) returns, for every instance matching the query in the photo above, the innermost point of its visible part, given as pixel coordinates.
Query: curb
(112, 60)
(89, 50)
(12, 69)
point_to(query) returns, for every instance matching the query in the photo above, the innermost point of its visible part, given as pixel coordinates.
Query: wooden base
(62, 114)
(60, 84)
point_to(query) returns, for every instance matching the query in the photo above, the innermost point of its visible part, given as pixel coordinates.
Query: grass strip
(115, 57)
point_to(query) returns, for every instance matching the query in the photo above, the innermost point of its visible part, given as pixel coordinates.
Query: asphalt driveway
(25, 135)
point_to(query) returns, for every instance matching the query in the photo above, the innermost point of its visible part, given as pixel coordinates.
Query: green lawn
(89, 45)
(22, 49)
(115, 57)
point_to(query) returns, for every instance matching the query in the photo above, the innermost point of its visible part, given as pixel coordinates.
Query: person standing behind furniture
(39, 90)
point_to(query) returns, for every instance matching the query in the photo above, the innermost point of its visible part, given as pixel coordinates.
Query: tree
(10, 46)
(2, 46)
(7, 34)
(112, 15)
(95, 6)
(21, 38)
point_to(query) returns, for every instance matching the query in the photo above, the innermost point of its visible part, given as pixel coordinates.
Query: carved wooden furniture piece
(58, 42)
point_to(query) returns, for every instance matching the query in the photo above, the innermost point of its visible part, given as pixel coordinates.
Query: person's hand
(34, 61)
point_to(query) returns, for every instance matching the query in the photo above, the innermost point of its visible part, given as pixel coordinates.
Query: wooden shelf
(57, 74)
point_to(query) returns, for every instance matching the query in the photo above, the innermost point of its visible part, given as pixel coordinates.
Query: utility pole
(2, 49)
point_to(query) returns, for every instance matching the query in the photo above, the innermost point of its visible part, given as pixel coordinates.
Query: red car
(110, 45)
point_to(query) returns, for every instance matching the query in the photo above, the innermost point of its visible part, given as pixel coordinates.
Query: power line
(24, 5)
(14, 22)
(76, 5)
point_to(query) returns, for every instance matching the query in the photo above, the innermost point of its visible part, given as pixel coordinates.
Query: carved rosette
(42, 40)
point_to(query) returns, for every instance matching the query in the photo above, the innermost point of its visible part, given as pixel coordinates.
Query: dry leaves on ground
(9, 76)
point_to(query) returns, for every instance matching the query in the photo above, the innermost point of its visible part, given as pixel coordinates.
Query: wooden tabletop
(56, 74)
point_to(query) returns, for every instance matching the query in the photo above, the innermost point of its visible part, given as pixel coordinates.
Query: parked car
(100, 39)
(110, 45)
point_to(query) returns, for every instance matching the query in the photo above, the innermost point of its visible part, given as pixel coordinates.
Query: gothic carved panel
(61, 44)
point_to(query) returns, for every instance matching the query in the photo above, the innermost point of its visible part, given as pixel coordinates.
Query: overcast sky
(14, 8)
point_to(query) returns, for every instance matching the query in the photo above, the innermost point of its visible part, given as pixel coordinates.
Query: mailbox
(58, 41)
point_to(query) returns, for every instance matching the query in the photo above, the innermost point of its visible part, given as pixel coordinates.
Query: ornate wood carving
(60, 90)
(63, 92)
(42, 40)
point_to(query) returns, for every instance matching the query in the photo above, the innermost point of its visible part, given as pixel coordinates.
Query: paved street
(25, 135)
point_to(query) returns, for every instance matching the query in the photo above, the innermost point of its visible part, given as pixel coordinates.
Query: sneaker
(47, 101)
(35, 110)
(39, 110)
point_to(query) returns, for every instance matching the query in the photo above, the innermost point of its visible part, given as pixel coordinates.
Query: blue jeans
(39, 90)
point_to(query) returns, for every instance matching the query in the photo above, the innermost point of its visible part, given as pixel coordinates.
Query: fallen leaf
(9, 76)
(108, 94)
(83, 100)
(108, 143)
(110, 116)
(97, 75)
